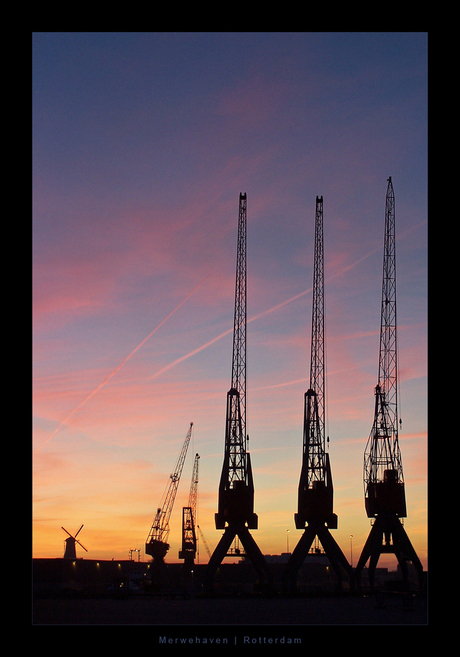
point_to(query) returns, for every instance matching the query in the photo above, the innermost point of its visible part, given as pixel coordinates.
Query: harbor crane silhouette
(315, 492)
(189, 540)
(385, 498)
(157, 541)
(235, 513)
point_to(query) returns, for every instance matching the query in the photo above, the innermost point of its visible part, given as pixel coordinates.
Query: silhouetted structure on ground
(189, 544)
(315, 495)
(236, 489)
(70, 548)
(385, 499)
(157, 541)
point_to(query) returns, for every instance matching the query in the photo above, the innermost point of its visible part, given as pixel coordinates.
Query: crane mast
(188, 551)
(236, 489)
(157, 540)
(315, 493)
(384, 493)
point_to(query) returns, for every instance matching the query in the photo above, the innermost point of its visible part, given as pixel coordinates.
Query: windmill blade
(81, 545)
(67, 532)
(78, 531)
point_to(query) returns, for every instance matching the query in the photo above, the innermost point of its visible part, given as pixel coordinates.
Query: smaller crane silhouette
(70, 551)
(189, 544)
(157, 541)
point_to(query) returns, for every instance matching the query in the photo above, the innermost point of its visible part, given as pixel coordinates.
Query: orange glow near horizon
(274, 503)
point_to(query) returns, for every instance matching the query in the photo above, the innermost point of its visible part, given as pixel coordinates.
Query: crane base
(251, 549)
(388, 536)
(331, 548)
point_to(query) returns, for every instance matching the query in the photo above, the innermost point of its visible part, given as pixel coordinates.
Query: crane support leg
(335, 555)
(331, 548)
(256, 556)
(388, 536)
(296, 560)
(219, 553)
(252, 551)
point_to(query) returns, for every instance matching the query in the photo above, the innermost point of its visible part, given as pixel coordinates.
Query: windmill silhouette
(70, 552)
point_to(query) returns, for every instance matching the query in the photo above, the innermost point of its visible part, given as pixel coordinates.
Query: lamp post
(287, 541)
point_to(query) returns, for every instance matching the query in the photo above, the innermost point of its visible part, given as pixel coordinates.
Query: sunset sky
(142, 143)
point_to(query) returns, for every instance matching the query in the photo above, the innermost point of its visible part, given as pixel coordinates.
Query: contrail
(262, 314)
(121, 365)
(271, 310)
(189, 355)
(222, 335)
(280, 305)
(204, 346)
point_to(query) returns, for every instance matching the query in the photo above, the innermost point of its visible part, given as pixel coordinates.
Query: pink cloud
(67, 289)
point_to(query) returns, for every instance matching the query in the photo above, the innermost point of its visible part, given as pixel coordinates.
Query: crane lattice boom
(314, 438)
(236, 489)
(315, 495)
(236, 412)
(383, 472)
